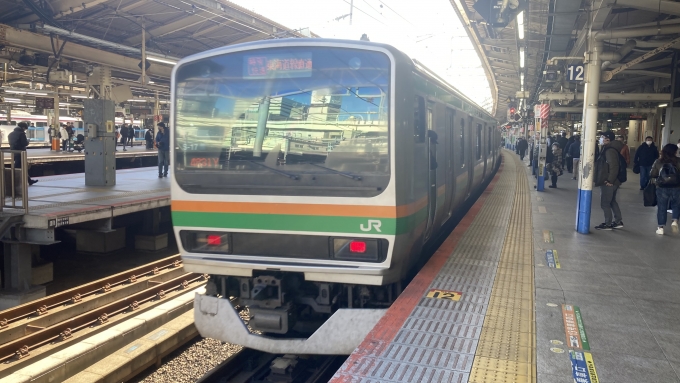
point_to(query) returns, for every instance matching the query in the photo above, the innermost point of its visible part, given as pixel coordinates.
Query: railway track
(96, 318)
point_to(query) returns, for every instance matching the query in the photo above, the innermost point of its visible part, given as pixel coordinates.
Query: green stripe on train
(326, 224)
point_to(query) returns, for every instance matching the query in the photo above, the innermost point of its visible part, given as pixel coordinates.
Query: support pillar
(587, 163)
(673, 108)
(151, 237)
(18, 275)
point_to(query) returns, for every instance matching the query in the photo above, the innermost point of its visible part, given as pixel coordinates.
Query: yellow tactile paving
(507, 346)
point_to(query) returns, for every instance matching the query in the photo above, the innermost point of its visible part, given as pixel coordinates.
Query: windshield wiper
(289, 175)
(348, 175)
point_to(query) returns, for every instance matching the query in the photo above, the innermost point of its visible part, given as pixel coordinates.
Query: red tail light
(357, 247)
(214, 240)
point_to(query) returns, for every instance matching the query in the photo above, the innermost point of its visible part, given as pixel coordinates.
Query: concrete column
(18, 275)
(587, 163)
(151, 237)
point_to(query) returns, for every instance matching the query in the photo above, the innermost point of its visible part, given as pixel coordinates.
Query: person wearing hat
(163, 144)
(606, 177)
(18, 141)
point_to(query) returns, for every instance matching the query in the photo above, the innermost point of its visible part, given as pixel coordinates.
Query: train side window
(479, 141)
(419, 120)
(462, 142)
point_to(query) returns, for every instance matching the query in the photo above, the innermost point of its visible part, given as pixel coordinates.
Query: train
(308, 175)
(38, 135)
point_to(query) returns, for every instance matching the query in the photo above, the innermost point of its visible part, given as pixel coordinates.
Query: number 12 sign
(575, 73)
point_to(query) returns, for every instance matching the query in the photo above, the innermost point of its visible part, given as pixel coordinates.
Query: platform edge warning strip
(510, 314)
(389, 325)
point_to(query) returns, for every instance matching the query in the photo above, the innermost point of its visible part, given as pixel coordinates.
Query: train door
(483, 147)
(450, 152)
(431, 144)
(471, 158)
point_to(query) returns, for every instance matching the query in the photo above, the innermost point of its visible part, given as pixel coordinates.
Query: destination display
(278, 66)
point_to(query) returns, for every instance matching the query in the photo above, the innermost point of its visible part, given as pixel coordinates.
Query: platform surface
(537, 302)
(45, 155)
(64, 199)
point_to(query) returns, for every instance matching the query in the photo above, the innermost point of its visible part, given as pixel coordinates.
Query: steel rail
(42, 306)
(21, 347)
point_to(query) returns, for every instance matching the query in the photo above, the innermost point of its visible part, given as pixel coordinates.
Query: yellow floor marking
(507, 345)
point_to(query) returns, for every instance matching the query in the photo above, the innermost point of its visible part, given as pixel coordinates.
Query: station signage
(575, 73)
(44, 102)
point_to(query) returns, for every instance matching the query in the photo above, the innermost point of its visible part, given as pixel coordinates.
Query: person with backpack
(666, 172)
(645, 155)
(610, 173)
(555, 165)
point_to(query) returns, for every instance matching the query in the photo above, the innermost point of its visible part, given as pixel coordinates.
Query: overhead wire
(362, 11)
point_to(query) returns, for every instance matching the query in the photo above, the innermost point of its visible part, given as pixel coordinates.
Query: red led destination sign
(278, 66)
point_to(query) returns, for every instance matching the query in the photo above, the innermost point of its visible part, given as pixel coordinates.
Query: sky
(427, 30)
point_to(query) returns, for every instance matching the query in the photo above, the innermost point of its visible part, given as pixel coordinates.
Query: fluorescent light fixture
(520, 25)
(12, 99)
(37, 93)
(15, 91)
(521, 82)
(78, 96)
(136, 100)
(521, 57)
(161, 60)
(663, 105)
(609, 120)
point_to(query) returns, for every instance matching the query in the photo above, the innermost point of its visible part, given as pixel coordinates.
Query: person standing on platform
(567, 157)
(555, 165)
(163, 144)
(666, 171)
(124, 136)
(131, 136)
(63, 133)
(522, 146)
(575, 154)
(18, 141)
(607, 178)
(148, 137)
(645, 155)
(625, 151)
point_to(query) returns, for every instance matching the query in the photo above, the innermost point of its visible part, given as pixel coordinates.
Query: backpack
(668, 177)
(623, 172)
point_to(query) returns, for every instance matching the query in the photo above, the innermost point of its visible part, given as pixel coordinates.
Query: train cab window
(462, 143)
(479, 141)
(419, 121)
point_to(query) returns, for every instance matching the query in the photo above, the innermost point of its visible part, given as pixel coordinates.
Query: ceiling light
(37, 93)
(15, 91)
(663, 105)
(78, 96)
(520, 25)
(12, 99)
(13, 102)
(521, 57)
(136, 100)
(161, 60)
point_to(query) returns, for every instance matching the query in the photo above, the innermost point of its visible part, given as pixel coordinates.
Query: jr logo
(372, 224)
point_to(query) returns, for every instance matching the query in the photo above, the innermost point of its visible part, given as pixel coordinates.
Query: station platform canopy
(555, 29)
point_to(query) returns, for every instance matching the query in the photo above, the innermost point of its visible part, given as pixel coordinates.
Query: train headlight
(205, 242)
(357, 249)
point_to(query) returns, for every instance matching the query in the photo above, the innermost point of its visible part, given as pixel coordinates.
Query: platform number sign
(444, 294)
(575, 73)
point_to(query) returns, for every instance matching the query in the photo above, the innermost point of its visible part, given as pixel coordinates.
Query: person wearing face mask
(645, 155)
(606, 177)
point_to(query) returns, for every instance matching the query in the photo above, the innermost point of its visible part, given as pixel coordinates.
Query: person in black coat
(18, 141)
(567, 157)
(645, 155)
(124, 132)
(148, 137)
(131, 136)
(522, 146)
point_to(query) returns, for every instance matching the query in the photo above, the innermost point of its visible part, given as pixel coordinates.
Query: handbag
(649, 194)
(636, 168)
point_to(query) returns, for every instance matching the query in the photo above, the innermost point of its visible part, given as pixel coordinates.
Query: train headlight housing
(357, 249)
(205, 242)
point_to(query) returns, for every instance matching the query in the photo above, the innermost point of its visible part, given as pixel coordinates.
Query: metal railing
(22, 181)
